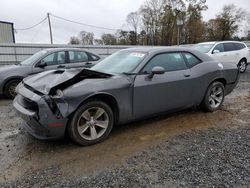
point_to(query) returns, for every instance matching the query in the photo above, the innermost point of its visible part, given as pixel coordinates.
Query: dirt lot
(186, 149)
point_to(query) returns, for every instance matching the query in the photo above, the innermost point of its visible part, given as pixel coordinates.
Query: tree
(195, 27)
(108, 39)
(74, 40)
(226, 24)
(133, 19)
(86, 38)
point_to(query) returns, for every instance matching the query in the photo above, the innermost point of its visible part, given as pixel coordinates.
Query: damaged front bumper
(40, 119)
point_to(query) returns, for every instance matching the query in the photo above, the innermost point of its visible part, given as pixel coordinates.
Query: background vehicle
(227, 51)
(48, 59)
(129, 85)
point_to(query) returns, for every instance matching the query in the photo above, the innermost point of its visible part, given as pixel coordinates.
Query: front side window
(191, 59)
(54, 59)
(219, 48)
(78, 56)
(169, 61)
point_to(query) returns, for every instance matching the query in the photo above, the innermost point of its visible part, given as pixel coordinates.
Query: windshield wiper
(129, 73)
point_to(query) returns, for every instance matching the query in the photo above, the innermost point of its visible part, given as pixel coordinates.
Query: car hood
(49, 81)
(7, 68)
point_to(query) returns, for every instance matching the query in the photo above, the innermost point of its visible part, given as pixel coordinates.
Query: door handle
(187, 75)
(60, 66)
(88, 63)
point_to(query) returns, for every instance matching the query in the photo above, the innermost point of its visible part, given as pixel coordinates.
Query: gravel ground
(212, 158)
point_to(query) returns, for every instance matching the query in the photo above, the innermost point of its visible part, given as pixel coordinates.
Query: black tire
(73, 126)
(242, 65)
(207, 104)
(9, 89)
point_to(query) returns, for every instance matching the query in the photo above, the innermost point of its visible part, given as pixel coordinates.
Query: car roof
(217, 42)
(157, 49)
(62, 49)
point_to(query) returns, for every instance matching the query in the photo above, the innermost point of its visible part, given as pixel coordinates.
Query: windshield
(203, 47)
(33, 58)
(120, 62)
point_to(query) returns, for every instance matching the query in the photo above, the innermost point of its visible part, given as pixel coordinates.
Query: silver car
(44, 60)
(129, 85)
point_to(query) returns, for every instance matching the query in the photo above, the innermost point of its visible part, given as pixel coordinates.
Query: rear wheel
(91, 123)
(242, 65)
(10, 88)
(214, 97)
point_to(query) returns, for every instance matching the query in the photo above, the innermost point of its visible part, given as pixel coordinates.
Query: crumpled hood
(47, 81)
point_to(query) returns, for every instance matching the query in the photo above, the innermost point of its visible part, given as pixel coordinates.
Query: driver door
(168, 91)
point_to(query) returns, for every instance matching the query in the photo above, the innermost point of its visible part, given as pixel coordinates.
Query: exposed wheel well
(109, 100)
(222, 80)
(245, 59)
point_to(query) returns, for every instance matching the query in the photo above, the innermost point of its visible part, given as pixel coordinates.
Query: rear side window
(229, 47)
(239, 46)
(169, 61)
(78, 56)
(191, 59)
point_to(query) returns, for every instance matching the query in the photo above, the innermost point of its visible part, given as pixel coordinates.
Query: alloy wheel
(93, 123)
(216, 96)
(242, 66)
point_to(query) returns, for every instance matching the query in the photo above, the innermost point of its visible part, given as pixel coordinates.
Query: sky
(104, 13)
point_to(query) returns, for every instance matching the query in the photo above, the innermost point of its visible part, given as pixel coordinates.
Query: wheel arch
(11, 79)
(107, 98)
(220, 79)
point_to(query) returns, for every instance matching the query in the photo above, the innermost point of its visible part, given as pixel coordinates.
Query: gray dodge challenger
(129, 85)
(48, 59)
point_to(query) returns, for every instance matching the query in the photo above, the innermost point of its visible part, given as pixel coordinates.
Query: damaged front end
(40, 100)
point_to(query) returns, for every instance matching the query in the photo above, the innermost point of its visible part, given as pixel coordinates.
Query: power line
(88, 25)
(31, 27)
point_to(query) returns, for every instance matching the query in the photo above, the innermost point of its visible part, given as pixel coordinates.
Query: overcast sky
(105, 13)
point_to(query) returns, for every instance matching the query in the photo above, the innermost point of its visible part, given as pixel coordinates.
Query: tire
(242, 65)
(84, 128)
(214, 97)
(9, 89)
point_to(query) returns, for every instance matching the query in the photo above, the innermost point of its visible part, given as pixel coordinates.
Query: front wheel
(214, 97)
(91, 123)
(10, 88)
(242, 66)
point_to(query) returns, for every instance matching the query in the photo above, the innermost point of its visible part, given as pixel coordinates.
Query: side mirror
(216, 51)
(156, 70)
(42, 64)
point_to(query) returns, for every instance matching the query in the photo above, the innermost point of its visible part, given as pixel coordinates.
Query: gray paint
(10, 72)
(137, 96)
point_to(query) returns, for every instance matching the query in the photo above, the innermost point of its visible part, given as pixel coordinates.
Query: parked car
(129, 85)
(44, 60)
(227, 51)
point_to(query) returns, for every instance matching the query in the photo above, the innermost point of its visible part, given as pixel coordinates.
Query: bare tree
(86, 38)
(133, 19)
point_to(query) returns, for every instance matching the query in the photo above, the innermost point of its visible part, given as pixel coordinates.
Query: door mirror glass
(216, 51)
(156, 70)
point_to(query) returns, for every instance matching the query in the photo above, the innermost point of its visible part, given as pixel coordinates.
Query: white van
(227, 51)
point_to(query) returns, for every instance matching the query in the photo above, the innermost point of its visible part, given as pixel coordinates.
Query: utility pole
(50, 29)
